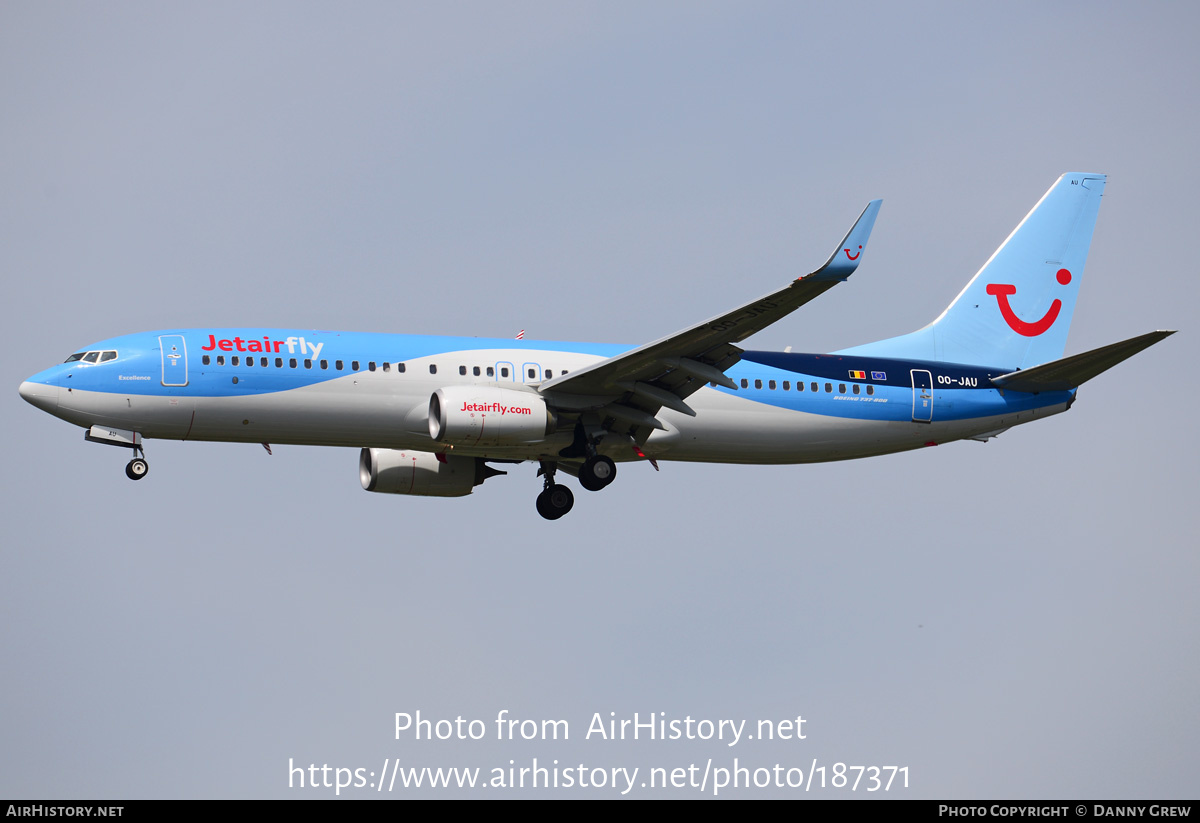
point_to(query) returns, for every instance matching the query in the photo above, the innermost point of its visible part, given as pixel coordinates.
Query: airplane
(432, 415)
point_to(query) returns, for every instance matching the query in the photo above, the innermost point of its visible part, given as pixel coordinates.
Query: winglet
(846, 257)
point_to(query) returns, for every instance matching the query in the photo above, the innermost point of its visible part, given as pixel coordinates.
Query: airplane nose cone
(44, 396)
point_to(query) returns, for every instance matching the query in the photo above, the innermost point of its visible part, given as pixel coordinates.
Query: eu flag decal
(879, 375)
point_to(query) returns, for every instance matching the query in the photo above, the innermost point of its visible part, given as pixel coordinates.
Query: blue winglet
(846, 257)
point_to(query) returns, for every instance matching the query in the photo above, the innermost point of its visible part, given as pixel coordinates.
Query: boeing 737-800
(431, 413)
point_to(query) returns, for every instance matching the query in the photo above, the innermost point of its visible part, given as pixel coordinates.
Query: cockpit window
(92, 357)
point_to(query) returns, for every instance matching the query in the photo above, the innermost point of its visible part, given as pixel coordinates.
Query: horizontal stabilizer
(1072, 372)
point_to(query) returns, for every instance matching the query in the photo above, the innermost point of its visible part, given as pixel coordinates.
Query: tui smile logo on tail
(1001, 291)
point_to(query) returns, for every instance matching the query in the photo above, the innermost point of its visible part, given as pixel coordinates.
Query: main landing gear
(555, 499)
(597, 472)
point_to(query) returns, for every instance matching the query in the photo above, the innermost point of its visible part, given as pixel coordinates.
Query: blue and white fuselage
(430, 413)
(373, 391)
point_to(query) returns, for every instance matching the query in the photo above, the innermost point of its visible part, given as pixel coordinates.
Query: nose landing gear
(137, 468)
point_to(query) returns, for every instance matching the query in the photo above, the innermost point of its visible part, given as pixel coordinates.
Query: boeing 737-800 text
(431, 413)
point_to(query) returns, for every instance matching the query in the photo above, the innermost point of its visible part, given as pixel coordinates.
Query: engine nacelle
(393, 471)
(488, 416)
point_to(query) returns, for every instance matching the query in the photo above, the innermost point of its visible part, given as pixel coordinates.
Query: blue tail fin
(1017, 309)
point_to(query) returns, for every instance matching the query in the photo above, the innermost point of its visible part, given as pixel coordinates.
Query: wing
(631, 387)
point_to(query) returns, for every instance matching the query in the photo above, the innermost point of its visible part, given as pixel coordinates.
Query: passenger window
(841, 388)
(433, 368)
(870, 389)
(307, 364)
(491, 372)
(204, 359)
(532, 374)
(758, 384)
(292, 362)
(475, 371)
(812, 386)
(387, 366)
(787, 385)
(220, 360)
(549, 373)
(771, 384)
(504, 371)
(234, 360)
(353, 365)
(324, 364)
(279, 362)
(856, 388)
(337, 364)
(828, 388)
(249, 361)
(262, 361)
(462, 370)
(371, 365)
(745, 383)
(400, 368)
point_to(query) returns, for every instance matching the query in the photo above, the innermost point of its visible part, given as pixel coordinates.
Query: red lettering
(225, 345)
(212, 344)
(238, 342)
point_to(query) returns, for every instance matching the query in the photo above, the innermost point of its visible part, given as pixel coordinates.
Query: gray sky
(1015, 619)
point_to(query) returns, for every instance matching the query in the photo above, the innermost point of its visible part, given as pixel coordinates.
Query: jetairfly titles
(495, 407)
(311, 350)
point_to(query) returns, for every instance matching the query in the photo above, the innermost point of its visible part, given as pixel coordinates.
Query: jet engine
(392, 471)
(488, 416)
